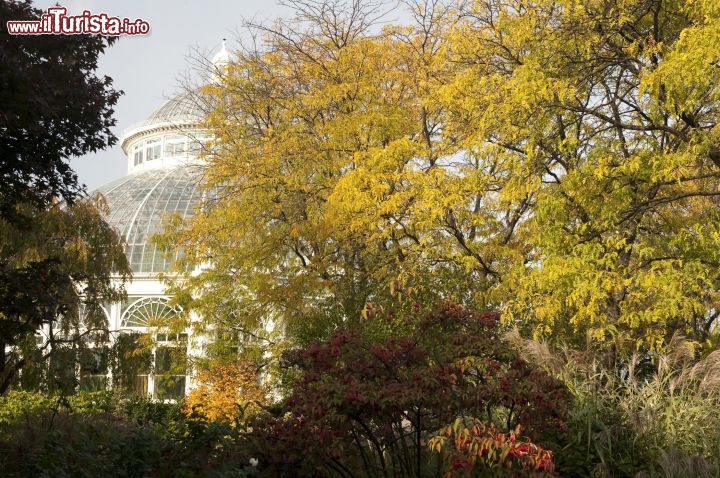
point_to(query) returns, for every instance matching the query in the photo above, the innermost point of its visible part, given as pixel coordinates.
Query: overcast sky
(149, 68)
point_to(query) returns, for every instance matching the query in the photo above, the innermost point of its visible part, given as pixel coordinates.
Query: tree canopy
(556, 160)
(53, 107)
(57, 253)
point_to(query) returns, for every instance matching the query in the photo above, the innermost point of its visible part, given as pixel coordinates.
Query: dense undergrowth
(102, 434)
(456, 398)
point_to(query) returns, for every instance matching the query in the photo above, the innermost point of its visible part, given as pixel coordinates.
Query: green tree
(54, 107)
(56, 272)
(54, 256)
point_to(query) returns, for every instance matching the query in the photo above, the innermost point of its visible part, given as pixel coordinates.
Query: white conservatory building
(163, 179)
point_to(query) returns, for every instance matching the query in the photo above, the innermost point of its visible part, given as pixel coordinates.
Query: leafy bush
(226, 393)
(21, 404)
(89, 436)
(62, 444)
(371, 404)
(17, 404)
(144, 410)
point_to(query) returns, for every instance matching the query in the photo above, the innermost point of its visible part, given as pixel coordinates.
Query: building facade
(163, 179)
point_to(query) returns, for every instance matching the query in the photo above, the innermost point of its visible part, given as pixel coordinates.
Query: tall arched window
(159, 371)
(137, 154)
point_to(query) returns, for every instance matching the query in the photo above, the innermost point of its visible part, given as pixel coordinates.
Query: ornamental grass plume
(654, 414)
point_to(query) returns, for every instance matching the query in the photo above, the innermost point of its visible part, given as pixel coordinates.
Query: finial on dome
(222, 58)
(220, 62)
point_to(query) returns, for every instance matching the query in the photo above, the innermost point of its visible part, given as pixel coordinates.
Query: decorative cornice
(145, 129)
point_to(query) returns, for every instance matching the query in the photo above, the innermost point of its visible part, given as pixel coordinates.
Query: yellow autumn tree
(314, 127)
(604, 114)
(228, 393)
(555, 159)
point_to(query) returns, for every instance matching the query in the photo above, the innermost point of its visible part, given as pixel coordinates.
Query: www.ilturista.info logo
(57, 22)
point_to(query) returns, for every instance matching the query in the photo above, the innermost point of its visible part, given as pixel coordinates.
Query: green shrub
(102, 401)
(18, 404)
(144, 410)
(79, 445)
(101, 434)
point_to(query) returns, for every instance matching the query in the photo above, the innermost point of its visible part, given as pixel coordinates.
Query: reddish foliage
(470, 445)
(373, 404)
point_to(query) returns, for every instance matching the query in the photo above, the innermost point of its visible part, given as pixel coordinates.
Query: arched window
(148, 312)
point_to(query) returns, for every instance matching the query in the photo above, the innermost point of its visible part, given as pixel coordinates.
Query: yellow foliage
(226, 393)
(555, 159)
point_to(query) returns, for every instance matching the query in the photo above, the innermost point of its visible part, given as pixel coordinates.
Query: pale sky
(149, 68)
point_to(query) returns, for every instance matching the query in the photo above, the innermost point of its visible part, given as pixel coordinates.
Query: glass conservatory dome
(164, 178)
(140, 202)
(164, 175)
(184, 110)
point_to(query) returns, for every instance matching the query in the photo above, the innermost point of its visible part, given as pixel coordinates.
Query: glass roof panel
(139, 204)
